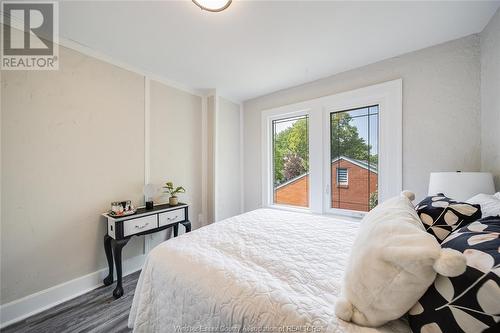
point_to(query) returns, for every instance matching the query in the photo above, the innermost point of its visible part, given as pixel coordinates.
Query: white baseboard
(32, 304)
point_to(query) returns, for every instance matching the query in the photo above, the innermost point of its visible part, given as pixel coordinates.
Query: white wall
(228, 177)
(63, 134)
(490, 98)
(73, 141)
(175, 146)
(441, 111)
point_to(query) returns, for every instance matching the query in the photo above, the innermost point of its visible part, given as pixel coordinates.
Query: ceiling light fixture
(212, 5)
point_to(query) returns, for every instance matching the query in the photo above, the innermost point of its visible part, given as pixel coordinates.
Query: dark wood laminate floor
(95, 311)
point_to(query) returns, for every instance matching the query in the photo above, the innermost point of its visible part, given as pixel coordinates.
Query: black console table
(143, 222)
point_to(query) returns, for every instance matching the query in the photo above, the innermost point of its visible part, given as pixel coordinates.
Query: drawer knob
(172, 218)
(142, 227)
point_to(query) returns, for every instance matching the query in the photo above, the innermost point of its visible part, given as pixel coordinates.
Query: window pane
(358, 112)
(354, 158)
(291, 161)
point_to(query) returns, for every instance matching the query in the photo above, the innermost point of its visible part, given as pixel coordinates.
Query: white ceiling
(257, 47)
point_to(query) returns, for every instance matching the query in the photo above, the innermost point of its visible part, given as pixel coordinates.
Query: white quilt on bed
(263, 271)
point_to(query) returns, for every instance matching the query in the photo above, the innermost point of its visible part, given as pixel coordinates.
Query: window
(354, 146)
(346, 157)
(342, 177)
(291, 161)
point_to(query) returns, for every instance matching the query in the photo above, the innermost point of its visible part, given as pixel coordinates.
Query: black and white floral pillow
(441, 215)
(470, 302)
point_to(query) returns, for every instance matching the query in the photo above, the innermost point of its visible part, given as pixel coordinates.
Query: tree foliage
(345, 140)
(291, 146)
(291, 152)
(293, 166)
(373, 200)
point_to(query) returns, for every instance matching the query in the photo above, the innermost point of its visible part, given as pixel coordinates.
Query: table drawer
(141, 224)
(171, 217)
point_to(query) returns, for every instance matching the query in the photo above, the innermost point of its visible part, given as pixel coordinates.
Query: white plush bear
(393, 261)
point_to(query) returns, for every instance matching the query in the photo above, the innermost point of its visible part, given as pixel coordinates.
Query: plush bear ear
(346, 311)
(450, 263)
(343, 309)
(410, 195)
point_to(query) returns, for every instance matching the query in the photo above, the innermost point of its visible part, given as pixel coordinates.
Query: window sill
(351, 216)
(335, 213)
(296, 209)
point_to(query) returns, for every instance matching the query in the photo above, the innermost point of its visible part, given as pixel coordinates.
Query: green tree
(294, 166)
(345, 140)
(291, 144)
(373, 199)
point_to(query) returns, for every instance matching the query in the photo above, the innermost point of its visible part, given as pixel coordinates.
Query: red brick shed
(352, 182)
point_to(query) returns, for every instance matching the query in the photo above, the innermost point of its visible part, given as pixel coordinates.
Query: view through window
(291, 161)
(354, 158)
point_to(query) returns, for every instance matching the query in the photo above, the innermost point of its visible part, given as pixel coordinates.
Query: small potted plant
(172, 191)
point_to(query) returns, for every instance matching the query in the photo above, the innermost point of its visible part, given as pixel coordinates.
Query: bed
(263, 271)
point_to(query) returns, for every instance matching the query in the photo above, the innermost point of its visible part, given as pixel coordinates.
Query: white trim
(315, 160)
(211, 190)
(204, 160)
(242, 160)
(35, 303)
(86, 50)
(148, 239)
(290, 208)
(353, 214)
(147, 130)
(215, 152)
(267, 132)
(387, 95)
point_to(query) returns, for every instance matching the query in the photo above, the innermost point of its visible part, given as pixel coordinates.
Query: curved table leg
(176, 229)
(117, 252)
(108, 280)
(187, 225)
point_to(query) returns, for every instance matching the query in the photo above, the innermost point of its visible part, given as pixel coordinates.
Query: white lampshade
(150, 191)
(461, 185)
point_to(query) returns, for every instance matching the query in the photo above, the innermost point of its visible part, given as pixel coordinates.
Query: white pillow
(490, 204)
(393, 261)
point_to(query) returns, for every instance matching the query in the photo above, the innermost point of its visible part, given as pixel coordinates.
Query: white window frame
(268, 191)
(387, 95)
